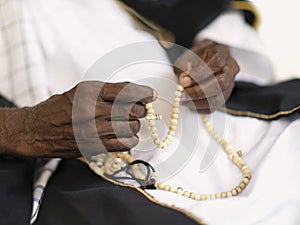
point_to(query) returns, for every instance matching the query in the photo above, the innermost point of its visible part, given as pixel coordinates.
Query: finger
(227, 93)
(224, 81)
(89, 145)
(116, 111)
(191, 57)
(231, 68)
(201, 46)
(226, 78)
(127, 92)
(211, 103)
(106, 129)
(216, 85)
(214, 60)
(207, 89)
(186, 62)
(216, 57)
(196, 75)
(109, 129)
(212, 108)
(120, 144)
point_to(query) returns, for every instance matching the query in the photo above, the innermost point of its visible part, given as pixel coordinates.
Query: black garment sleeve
(250, 13)
(266, 102)
(185, 18)
(4, 103)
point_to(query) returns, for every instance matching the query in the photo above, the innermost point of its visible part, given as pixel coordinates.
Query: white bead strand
(112, 164)
(151, 117)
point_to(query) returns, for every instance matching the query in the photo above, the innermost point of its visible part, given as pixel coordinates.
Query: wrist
(12, 129)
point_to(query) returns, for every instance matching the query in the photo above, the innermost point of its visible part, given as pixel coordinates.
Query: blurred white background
(280, 32)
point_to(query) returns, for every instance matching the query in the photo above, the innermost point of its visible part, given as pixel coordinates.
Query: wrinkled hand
(210, 82)
(49, 130)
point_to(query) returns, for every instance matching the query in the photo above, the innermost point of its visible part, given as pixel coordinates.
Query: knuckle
(236, 67)
(136, 126)
(139, 111)
(225, 81)
(195, 91)
(222, 81)
(199, 91)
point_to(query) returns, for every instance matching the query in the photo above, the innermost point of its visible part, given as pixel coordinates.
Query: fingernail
(154, 95)
(183, 97)
(185, 81)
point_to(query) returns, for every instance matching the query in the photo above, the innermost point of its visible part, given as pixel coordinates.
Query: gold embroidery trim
(258, 115)
(243, 5)
(160, 33)
(149, 197)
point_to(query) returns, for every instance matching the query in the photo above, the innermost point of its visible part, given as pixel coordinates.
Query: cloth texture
(23, 76)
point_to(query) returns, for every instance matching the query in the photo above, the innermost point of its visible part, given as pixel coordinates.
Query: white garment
(22, 77)
(77, 33)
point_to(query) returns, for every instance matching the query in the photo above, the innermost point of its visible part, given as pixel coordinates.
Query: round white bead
(169, 137)
(171, 132)
(166, 187)
(176, 104)
(161, 186)
(173, 189)
(153, 130)
(174, 115)
(197, 197)
(172, 127)
(115, 166)
(177, 94)
(152, 123)
(229, 149)
(163, 145)
(154, 135)
(150, 111)
(173, 122)
(186, 194)
(179, 87)
(202, 197)
(117, 160)
(157, 142)
(234, 192)
(166, 141)
(176, 99)
(148, 106)
(175, 110)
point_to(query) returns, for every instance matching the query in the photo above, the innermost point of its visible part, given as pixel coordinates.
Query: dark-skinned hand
(48, 129)
(207, 83)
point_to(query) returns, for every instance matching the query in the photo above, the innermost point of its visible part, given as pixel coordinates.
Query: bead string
(105, 164)
(151, 117)
(235, 157)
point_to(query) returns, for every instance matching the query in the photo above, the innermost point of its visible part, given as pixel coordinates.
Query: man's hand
(209, 83)
(48, 130)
